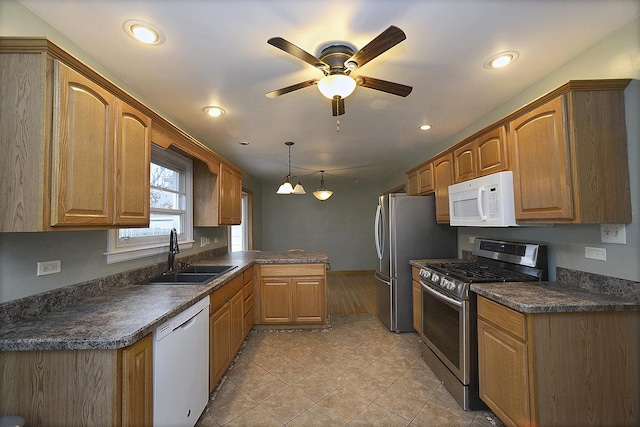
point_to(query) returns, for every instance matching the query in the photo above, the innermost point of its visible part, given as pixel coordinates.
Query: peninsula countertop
(121, 317)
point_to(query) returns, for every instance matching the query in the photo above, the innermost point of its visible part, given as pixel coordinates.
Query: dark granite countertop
(551, 297)
(544, 297)
(121, 317)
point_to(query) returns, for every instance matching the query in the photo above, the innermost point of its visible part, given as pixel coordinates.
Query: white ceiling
(216, 52)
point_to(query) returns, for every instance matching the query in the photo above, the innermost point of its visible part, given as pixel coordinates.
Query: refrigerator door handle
(379, 234)
(382, 279)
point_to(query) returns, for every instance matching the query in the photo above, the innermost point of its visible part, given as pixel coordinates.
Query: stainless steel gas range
(449, 316)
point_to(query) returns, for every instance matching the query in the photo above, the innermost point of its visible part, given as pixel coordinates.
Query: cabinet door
(133, 154)
(309, 299)
(538, 148)
(137, 383)
(219, 344)
(503, 374)
(443, 178)
(230, 196)
(491, 152)
(417, 306)
(425, 179)
(412, 184)
(275, 300)
(237, 321)
(82, 151)
(464, 162)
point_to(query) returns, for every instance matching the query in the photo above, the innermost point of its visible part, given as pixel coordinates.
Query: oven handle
(441, 296)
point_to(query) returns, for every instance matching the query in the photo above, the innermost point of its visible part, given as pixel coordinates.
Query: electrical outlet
(216, 240)
(203, 242)
(613, 233)
(595, 253)
(49, 267)
(472, 239)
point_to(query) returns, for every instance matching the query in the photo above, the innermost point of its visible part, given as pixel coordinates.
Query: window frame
(135, 248)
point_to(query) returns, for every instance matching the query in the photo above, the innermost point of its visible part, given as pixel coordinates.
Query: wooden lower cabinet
(248, 300)
(79, 387)
(291, 294)
(561, 369)
(227, 328)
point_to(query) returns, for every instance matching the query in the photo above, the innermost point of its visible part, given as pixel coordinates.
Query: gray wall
(341, 226)
(616, 56)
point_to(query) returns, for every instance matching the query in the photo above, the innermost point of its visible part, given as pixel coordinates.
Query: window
(240, 235)
(171, 207)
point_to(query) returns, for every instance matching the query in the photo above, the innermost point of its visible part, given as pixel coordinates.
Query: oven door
(445, 329)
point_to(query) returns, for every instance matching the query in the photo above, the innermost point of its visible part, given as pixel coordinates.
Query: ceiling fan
(337, 61)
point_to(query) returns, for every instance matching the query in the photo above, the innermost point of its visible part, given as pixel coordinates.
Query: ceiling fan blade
(278, 92)
(337, 106)
(294, 50)
(384, 86)
(385, 41)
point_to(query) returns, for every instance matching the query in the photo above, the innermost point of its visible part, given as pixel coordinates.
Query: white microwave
(483, 202)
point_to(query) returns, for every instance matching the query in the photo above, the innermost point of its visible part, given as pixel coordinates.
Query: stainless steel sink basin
(216, 269)
(195, 275)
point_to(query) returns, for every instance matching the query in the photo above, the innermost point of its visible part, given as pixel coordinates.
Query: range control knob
(435, 278)
(426, 274)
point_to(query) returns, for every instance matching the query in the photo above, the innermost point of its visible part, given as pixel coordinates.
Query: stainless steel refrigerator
(406, 229)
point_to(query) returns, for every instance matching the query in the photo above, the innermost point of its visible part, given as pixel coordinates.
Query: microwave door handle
(479, 200)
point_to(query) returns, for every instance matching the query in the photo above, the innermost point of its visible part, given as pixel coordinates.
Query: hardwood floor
(351, 292)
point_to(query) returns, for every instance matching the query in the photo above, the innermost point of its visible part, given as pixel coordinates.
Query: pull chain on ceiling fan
(337, 62)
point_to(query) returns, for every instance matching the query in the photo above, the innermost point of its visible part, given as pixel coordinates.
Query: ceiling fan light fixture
(143, 32)
(322, 193)
(336, 85)
(501, 60)
(214, 110)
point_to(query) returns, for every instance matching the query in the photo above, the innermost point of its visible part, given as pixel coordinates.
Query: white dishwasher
(181, 367)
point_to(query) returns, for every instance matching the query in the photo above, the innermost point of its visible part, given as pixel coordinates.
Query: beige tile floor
(356, 374)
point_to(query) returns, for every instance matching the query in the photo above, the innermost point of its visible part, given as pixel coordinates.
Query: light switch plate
(613, 233)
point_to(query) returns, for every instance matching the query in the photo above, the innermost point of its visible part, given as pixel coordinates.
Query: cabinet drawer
(248, 290)
(289, 270)
(224, 294)
(248, 304)
(247, 276)
(503, 317)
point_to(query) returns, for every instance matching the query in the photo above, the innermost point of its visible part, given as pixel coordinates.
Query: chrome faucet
(173, 247)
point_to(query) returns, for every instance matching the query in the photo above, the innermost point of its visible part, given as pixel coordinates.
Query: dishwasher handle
(187, 323)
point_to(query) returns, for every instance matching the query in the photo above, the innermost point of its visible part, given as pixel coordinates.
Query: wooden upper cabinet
(230, 196)
(425, 179)
(100, 155)
(482, 156)
(82, 151)
(491, 152)
(570, 160)
(443, 178)
(540, 149)
(412, 183)
(133, 157)
(217, 198)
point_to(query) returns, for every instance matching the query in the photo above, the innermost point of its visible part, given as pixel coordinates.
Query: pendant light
(286, 187)
(322, 193)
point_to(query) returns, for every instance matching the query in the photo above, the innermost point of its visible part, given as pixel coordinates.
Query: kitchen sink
(215, 269)
(195, 275)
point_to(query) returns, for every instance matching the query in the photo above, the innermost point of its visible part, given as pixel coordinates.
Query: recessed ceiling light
(143, 31)
(243, 142)
(501, 60)
(213, 110)
(425, 126)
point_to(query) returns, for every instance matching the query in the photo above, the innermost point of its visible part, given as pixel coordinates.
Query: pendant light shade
(322, 193)
(286, 187)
